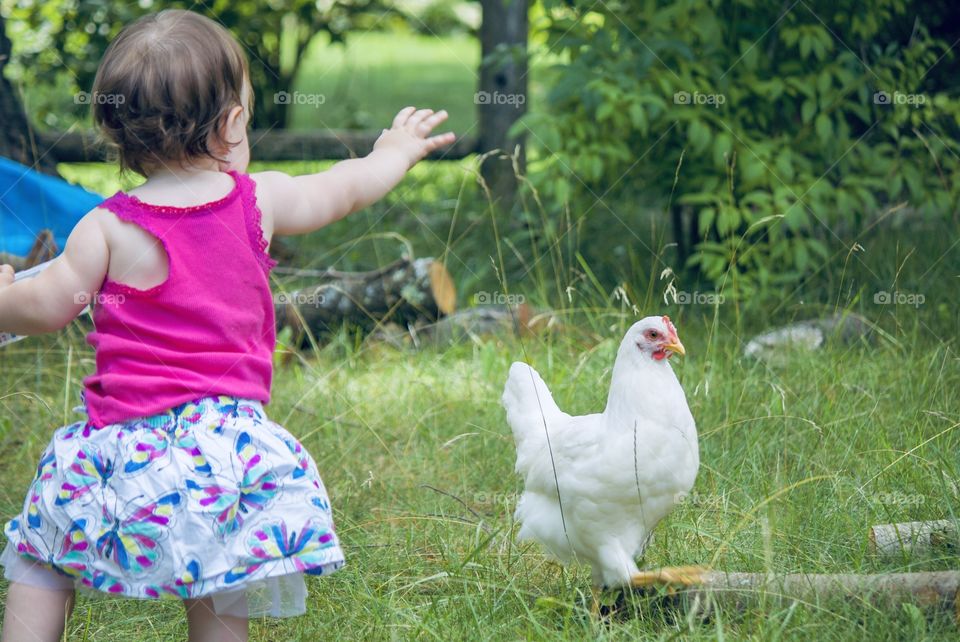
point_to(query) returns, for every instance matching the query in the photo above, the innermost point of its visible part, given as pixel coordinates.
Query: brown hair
(164, 87)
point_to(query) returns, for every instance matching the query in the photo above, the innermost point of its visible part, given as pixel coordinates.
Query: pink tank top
(207, 330)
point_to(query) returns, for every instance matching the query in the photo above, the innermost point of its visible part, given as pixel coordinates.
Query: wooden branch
(485, 320)
(703, 588)
(44, 249)
(403, 292)
(918, 537)
(270, 145)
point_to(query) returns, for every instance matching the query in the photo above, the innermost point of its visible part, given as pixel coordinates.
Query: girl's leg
(34, 613)
(206, 626)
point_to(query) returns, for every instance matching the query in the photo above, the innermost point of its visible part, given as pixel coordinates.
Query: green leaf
(824, 128)
(605, 111)
(699, 135)
(728, 220)
(823, 82)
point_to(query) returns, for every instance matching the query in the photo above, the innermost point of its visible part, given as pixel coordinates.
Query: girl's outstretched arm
(54, 298)
(301, 204)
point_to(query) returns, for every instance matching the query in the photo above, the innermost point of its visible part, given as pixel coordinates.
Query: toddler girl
(178, 484)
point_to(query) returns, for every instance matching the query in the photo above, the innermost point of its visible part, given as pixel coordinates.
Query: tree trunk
(402, 292)
(17, 141)
(502, 95)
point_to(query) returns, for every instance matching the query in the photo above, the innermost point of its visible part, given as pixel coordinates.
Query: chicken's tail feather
(529, 405)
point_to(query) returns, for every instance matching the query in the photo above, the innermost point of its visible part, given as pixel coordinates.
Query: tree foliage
(789, 123)
(60, 42)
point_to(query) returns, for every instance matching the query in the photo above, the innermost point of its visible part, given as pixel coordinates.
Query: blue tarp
(31, 201)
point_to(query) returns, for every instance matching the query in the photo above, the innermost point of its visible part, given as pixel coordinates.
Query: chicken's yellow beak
(675, 347)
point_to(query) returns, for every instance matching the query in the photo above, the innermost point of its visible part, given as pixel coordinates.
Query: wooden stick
(935, 590)
(917, 537)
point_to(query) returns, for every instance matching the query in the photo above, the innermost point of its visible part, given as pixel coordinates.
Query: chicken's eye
(653, 334)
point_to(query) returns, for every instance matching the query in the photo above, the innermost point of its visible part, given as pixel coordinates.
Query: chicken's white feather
(619, 472)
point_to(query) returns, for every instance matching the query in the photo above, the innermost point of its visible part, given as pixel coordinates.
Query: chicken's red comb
(670, 327)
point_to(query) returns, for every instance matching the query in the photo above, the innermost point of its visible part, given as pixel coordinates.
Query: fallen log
(704, 589)
(406, 292)
(916, 537)
(403, 292)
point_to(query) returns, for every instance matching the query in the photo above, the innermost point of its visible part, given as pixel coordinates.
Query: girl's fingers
(430, 123)
(436, 142)
(418, 117)
(402, 116)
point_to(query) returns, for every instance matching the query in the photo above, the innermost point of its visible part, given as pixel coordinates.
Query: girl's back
(206, 329)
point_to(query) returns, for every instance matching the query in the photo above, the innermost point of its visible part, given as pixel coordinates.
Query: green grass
(367, 81)
(798, 459)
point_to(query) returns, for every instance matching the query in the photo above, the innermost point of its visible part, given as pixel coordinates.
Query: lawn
(364, 83)
(799, 458)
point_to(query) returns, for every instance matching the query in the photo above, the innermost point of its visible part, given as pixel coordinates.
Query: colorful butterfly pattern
(70, 558)
(303, 461)
(158, 507)
(45, 472)
(132, 542)
(304, 549)
(89, 472)
(231, 504)
(181, 586)
(151, 445)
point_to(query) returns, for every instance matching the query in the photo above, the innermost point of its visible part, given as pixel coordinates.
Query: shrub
(769, 129)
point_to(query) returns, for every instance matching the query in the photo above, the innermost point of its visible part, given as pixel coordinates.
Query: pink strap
(253, 217)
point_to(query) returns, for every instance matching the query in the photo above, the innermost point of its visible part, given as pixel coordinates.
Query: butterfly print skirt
(210, 498)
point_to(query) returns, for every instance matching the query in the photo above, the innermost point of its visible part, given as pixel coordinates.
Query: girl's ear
(235, 124)
(233, 133)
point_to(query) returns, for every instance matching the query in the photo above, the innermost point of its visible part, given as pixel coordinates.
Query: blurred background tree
(769, 130)
(637, 162)
(60, 42)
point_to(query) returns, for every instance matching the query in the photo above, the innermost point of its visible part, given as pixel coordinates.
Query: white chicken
(595, 486)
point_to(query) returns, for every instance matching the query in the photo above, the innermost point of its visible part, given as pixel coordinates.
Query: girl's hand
(410, 131)
(6, 275)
